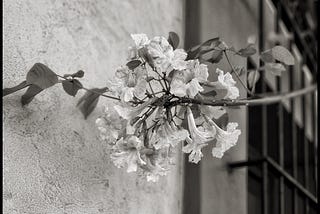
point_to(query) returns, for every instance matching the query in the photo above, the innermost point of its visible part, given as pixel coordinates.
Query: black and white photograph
(160, 107)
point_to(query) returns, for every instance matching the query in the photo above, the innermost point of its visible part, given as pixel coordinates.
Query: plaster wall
(53, 160)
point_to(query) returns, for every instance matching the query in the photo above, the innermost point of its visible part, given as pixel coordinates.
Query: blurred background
(53, 160)
(273, 168)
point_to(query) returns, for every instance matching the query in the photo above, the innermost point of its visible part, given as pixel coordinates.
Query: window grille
(282, 162)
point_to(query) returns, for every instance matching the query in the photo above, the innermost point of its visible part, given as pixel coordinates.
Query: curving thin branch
(248, 102)
(92, 91)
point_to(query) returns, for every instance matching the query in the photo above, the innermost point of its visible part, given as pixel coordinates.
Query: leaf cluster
(40, 77)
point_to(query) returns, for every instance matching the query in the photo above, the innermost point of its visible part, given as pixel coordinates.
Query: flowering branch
(161, 102)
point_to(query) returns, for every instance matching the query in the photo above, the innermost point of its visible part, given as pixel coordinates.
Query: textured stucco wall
(53, 160)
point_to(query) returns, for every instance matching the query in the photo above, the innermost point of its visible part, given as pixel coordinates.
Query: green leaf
(89, 101)
(7, 91)
(248, 51)
(194, 52)
(275, 68)
(222, 121)
(277, 53)
(133, 64)
(215, 93)
(78, 74)
(214, 42)
(71, 86)
(282, 54)
(173, 40)
(253, 78)
(216, 56)
(211, 93)
(41, 76)
(31, 92)
(143, 52)
(266, 56)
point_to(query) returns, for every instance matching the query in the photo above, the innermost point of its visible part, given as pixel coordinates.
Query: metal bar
(293, 181)
(314, 130)
(316, 146)
(294, 144)
(305, 140)
(278, 169)
(281, 151)
(264, 116)
(239, 164)
(280, 124)
(297, 30)
(192, 172)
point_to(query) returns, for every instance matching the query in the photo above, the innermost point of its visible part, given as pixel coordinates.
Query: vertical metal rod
(281, 154)
(314, 147)
(294, 143)
(192, 172)
(264, 117)
(293, 135)
(280, 124)
(305, 140)
(315, 142)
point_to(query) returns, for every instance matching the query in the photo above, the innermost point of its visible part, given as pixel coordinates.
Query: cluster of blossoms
(154, 114)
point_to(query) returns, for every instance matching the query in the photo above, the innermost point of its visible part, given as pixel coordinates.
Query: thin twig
(248, 102)
(92, 91)
(237, 75)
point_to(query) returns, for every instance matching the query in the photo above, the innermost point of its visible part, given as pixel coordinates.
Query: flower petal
(127, 94)
(225, 81)
(198, 140)
(128, 112)
(180, 54)
(140, 88)
(225, 139)
(140, 39)
(212, 111)
(178, 88)
(194, 149)
(194, 88)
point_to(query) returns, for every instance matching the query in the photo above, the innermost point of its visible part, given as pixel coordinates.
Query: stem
(237, 75)
(92, 91)
(252, 102)
(253, 82)
(163, 78)
(151, 88)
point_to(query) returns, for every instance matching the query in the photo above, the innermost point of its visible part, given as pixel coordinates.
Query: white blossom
(168, 135)
(110, 125)
(127, 153)
(140, 40)
(199, 138)
(128, 83)
(157, 164)
(224, 139)
(128, 112)
(225, 81)
(187, 82)
(165, 58)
